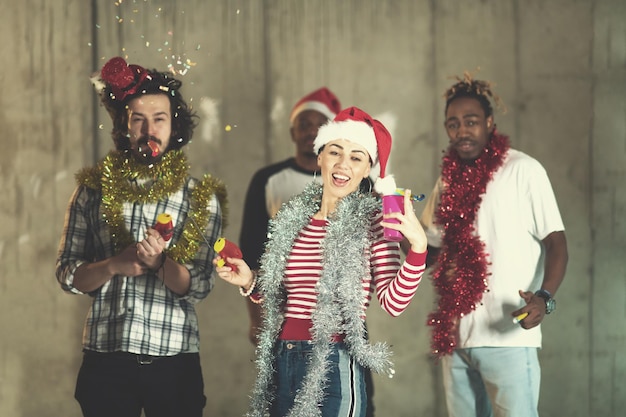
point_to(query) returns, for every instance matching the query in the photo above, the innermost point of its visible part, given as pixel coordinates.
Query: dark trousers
(121, 384)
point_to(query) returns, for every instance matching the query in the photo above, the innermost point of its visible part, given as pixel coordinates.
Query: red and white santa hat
(322, 100)
(355, 125)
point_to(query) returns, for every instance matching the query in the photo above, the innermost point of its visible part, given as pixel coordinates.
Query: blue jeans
(344, 395)
(492, 381)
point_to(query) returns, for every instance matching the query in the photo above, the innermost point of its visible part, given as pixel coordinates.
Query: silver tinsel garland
(340, 300)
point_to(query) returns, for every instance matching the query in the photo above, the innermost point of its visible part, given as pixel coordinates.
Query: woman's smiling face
(343, 165)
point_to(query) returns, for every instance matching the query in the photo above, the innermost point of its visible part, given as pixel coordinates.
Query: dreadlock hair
(184, 120)
(476, 89)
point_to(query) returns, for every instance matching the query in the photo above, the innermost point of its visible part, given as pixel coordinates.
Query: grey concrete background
(559, 65)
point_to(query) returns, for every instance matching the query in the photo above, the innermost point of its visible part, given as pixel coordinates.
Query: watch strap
(547, 298)
(545, 294)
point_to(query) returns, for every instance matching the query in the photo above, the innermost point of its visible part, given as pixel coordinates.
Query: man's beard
(147, 152)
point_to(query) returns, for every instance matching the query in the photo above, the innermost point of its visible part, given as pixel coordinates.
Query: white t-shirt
(517, 211)
(282, 186)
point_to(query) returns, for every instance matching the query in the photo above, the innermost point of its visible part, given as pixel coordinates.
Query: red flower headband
(124, 79)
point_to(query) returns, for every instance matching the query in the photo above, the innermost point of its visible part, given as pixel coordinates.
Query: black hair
(471, 88)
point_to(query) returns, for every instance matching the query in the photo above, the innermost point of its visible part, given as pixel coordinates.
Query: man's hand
(91, 276)
(149, 250)
(535, 307)
(127, 263)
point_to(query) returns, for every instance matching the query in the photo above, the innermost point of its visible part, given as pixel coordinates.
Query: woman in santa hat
(325, 259)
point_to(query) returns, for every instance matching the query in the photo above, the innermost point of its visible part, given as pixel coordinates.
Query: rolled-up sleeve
(76, 246)
(201, 267)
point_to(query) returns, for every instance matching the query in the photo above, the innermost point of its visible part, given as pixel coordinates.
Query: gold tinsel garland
(112, 176)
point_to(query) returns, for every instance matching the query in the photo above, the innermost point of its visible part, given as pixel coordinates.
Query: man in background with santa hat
(275, 184)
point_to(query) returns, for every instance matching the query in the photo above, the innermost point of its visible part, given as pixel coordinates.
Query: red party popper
(227, 249)
(164, 226)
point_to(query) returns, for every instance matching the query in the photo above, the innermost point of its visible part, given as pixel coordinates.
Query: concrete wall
(560, 67)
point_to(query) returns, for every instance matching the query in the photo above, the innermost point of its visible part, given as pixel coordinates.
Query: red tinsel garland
(460, 277)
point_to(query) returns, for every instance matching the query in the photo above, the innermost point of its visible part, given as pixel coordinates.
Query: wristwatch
(547, 297)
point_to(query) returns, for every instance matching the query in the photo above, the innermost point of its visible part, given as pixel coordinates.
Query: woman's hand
(409, 225)
(243, 277)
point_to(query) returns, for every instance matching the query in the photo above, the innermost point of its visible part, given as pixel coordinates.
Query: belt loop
(144, 359)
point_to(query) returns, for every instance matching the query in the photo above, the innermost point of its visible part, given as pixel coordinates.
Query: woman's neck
(327, 207)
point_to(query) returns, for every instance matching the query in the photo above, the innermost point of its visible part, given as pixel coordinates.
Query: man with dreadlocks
(141, 340)
(495, 229)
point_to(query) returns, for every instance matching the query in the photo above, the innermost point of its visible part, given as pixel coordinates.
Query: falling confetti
(177, 61)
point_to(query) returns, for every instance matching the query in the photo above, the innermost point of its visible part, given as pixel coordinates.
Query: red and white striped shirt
(395, 284)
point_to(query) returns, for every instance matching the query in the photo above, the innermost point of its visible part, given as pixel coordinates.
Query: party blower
(227, 249)
(154, 147)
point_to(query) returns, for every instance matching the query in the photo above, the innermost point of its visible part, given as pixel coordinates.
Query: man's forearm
(89, 277)
(556, 261)
(175, 276)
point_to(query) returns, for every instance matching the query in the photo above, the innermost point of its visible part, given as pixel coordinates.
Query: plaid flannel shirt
(136, 314)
